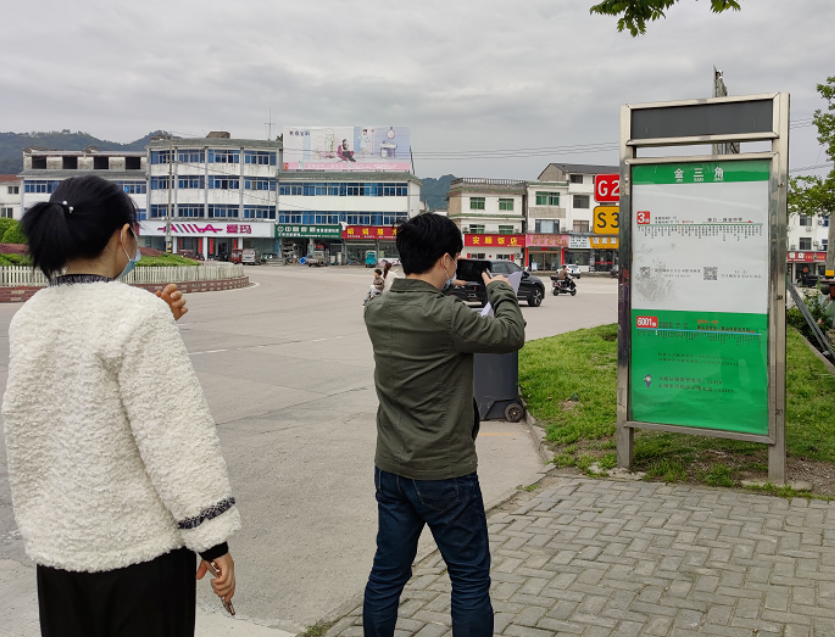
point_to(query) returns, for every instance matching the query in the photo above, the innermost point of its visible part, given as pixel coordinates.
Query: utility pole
(168, 239)
(269, 126)
(720, 90)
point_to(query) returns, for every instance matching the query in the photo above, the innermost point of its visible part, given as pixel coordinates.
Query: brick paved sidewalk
(603, 558)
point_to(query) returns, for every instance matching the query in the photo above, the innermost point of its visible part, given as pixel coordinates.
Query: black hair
(424, 239)
(378, 271)
(77, 222)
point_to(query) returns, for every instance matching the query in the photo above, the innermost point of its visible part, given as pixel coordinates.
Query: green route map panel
(700, 295)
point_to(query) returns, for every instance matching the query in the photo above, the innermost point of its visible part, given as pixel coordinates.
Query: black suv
(531, 289)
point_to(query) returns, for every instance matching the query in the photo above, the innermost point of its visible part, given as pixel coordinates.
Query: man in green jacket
(426, 461)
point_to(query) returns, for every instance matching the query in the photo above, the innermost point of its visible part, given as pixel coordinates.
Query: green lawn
(569, 382)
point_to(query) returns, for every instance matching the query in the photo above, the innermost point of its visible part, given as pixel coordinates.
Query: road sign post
(701, 304)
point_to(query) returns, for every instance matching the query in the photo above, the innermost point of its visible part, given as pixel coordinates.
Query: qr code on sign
(710, 274)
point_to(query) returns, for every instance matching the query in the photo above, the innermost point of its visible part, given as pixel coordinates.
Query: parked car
(250, 257)
(531, 289)
(573, 270)
(235, 257)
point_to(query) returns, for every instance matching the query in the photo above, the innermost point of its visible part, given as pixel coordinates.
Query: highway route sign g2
(607, 188)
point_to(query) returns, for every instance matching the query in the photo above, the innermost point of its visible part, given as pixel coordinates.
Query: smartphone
(214, 569)
(471, 269)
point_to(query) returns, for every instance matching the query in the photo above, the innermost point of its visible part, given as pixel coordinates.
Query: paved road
(287, 369)
(596, 558)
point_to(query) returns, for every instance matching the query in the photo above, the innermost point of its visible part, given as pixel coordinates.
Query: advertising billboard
(347, 148)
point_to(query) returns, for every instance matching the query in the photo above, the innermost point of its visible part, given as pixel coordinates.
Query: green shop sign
(308, 232)
(699, 317)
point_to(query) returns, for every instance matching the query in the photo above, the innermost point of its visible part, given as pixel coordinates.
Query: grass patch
(317, 630)
(785, 491)
(569, 382)
(166, 261)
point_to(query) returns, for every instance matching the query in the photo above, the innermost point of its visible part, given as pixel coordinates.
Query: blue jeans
(454, 511)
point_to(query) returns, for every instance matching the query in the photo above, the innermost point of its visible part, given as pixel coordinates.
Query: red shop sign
(495, 240)
(370, 232)
(805, 257)
(546, 241)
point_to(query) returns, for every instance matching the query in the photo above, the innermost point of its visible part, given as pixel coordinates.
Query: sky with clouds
(470, 78)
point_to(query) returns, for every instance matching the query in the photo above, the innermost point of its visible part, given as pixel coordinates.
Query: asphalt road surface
(287, 368)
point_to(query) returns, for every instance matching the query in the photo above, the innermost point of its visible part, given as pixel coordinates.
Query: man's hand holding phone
(492, 279)
(223, 570)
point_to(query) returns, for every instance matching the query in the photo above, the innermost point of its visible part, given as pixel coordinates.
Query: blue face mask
(449, 280)
(131, 261)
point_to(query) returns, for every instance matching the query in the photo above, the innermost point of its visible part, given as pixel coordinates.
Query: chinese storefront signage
(374, 233)
(547, 240)
(154, 228)
(494, 240)
(604, 243)
(699, 320)
(308, 231)
(806, 257)
(578, 243)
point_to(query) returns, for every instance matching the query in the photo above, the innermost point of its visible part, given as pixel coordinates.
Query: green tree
(636, 13)
(14, 234)
(812, 194)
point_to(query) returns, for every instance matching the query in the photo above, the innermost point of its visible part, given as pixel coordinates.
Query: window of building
(191, 210)
(259, 212)
(224, 157)
(160, 157)
(69, 163)
(15, 190)
(133, 163)
(547, 226)
(825, 221)
(223, 182)
(506, 229)
(40, 186)
(344, 189)
(581, 226)
(805, 243)
(259, 184)
(505, 204)
(218, 211)
(141, 214)
(101, 163)
(190, 182)
(805, 220)
(478, 255)
(159, 183)
(133, 187)
(476, 203)
(581, 201)
(38, 163)
(290, 217)
(159, 211)
(576, 179)
(260, 157)
(6, 213)
(191, 155)
(824, 244)
(476, 229)
(547, 199)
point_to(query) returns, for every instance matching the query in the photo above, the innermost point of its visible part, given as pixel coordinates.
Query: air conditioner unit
(808, 228)
(820, 222)
(816, 244)
(793, 246)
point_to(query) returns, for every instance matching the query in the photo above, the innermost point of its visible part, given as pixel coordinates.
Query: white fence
(24, 276)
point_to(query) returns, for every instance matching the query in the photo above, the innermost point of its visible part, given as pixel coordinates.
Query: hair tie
(68, 207)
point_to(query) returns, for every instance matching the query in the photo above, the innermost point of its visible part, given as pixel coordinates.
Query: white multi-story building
(807, 243)
(220, 194)
(10, 197)
(584, 247)
(44, 169)
(348, 215)
(491, 216)
(547, 224)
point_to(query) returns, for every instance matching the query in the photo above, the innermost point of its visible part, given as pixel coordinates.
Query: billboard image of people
(347, 148)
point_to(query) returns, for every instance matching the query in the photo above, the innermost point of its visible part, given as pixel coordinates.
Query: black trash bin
(495, 386)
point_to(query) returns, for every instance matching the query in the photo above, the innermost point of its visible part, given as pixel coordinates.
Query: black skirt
(152, 598)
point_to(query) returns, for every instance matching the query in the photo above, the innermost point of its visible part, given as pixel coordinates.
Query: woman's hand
(175, 300)
(224, 584)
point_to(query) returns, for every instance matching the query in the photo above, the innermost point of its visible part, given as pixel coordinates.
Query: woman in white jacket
(114, 463)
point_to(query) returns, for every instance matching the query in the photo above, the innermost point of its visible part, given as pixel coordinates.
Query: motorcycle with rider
(563, 283)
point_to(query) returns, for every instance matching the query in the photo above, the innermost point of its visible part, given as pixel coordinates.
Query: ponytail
(77, 222)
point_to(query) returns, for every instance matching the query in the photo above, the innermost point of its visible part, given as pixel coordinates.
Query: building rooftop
(41, 152)
(110, 175)
(9, 178)
(582, 169)
(215, 142)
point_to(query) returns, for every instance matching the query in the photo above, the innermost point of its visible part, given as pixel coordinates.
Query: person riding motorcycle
(563, 274)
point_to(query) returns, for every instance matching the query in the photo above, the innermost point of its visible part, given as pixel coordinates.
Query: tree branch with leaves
(636, 13)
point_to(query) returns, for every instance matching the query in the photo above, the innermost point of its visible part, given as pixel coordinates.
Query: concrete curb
(826, 362)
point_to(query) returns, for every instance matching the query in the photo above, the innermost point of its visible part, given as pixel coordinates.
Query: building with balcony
(44, 169)
(345, 214)
(217, 193)
(547, 224)
(10, 197)
(807, 243)
(491, 216)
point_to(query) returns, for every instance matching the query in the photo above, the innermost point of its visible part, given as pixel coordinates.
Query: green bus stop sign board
(699, 323)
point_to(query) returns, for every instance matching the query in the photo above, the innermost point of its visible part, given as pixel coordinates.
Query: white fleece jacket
(113, 454)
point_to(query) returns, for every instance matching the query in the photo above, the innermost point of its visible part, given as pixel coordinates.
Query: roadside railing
(24, 276)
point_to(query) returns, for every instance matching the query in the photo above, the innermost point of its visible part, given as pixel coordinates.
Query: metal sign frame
(710, 121)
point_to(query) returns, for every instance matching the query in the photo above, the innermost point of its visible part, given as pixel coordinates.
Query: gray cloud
(465, 75)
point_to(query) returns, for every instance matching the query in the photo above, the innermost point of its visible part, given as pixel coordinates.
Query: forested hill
(12, 145)
(434, 191)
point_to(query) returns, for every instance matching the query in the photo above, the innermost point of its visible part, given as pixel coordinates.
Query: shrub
(14, 233)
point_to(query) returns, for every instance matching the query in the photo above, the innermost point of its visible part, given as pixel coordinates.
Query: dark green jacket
(424, 343)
